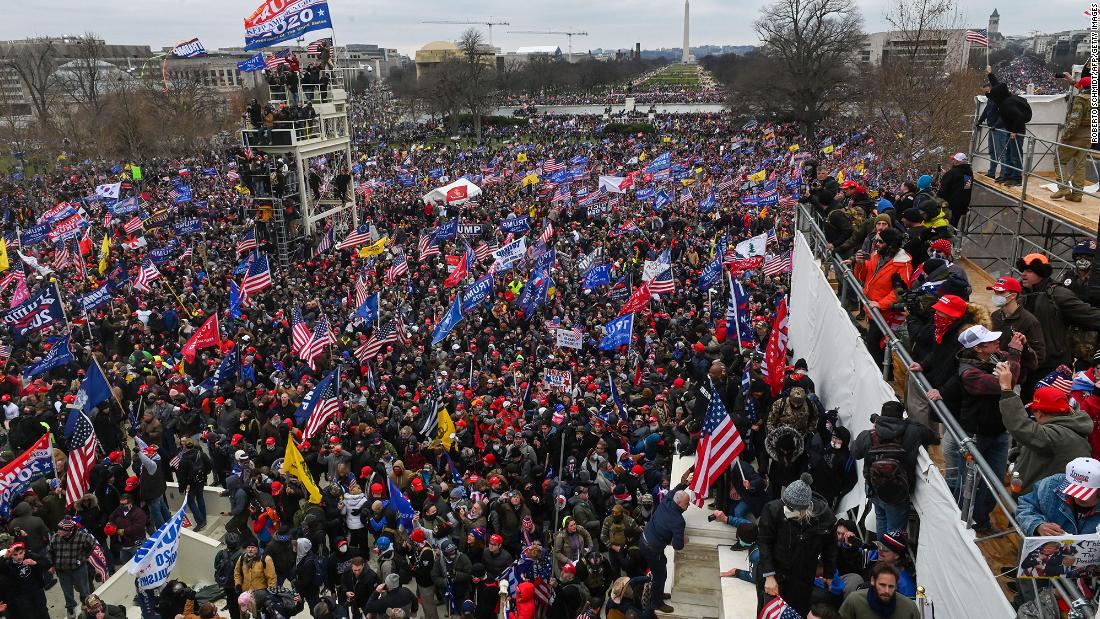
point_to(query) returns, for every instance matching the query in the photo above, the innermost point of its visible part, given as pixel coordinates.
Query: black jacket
(1012, 108)
(912, 435)
(790, 550)
(955, 187)
(1057, 307)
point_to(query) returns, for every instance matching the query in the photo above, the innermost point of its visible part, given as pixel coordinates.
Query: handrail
(1066, 588)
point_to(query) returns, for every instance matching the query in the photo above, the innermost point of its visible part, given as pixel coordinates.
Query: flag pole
(164, 280)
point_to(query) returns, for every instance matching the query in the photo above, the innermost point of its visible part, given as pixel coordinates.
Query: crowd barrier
(949, 566)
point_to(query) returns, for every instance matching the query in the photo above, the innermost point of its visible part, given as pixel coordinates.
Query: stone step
(691, 611)
(681, 596)
(697, 588)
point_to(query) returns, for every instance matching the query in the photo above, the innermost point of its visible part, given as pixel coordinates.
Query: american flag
(725, 183)
(328, 404)
(778, 609)
(750, 125)
(593, 197)
(390, 333)
(399, 267)
(299, 331)
(1061, 378)
(326, 241)
(663, 283)
(132, 225)
(13, 276)
(187, 253)
(272, 61)
(359, 236)
(5, 354)
(978, 37)
(81, 459)
(550, 166)
(315, 47)
(771, 238)
(13, 240)
(547, 232)
(431, 250)
(774, 265)
(233, 176)
(686, 197)
(146, 275)
(361, 291)
(62, 257)
(247, 242)
(491, 179)
(257, 277)
(482, 252)
(719, 445)
(322, 337)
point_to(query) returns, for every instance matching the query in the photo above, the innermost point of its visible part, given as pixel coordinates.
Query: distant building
(523, 55)
(947, 48)
(368, 61)
(437, 52)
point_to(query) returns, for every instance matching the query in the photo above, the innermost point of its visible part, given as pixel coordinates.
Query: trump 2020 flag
(235, 300)
(617, 332)
(94, 389)
(449, 321)
(710, 273)
(38, 312)
(254, 63)
(368, 311)
(58, 355)
(401, 504)
(153, 562)
(34, 464)
(281, 20)
(476, 293)
(599, 275)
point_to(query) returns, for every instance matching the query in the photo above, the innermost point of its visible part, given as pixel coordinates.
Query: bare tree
(477, 87)
(85, 78)
(813, 42)
(917, 105)
(34, 62)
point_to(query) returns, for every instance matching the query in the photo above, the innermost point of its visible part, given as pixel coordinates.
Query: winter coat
(979, 413)
(912, 435)
(877, 276)
(803, 419)
(666, 526)
(1009, 106)
(1045, 448)
(255, 573)
(1056, 307)
(1047, 502)
(790, 550)
(131, 525)
(955, 187)
(36, 535)
(1022, 321)
(939, 361)
(856, 606)
(525, 601)
(563, 547)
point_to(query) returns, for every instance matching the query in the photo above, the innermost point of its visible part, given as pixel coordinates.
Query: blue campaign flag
(534, 292)
(544, 260)
(738, 313)
(710, 273)
(644, 194)
(94, 389)
(368, 311)
(618, 332)
(30, 466)
(578, 160)
(598, 275)
(234, 300)
(663, 162)
(558, 177)
(94, 299)
(42, 310)
(768, 198)
(477, 293)
(183, 194)
(227, 371)
(435, 173)
(707, 204)
(162, 255)
(125, 207)
(210, 171)
(448, 322)
(57, 356)
(406, 180)
(35, 234)
(190, 225)
(515, 225)
(404, 509)
(242, 266)
(446, 230)
(327, 389)
(287, 22)
(255, 63)
(662, 200)
(616, 397)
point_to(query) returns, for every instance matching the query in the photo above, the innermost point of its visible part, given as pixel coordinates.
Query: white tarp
(949, 565)
(457, 192)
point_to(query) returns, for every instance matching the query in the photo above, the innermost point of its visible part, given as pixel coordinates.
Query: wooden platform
(1082, 214)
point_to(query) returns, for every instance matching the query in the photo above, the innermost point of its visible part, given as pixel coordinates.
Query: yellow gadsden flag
(446, 432)
(521, 158)
(4, 264)
(759, 176)
(104, 252)
(294, 464)
(375, 248)
(530, 179)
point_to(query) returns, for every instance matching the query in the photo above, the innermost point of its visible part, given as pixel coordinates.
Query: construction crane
(570, 35)
(489, 22)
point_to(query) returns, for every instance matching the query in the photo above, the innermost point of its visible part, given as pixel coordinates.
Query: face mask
(998, 300)
(838, 444)
(343, 549)
(1082, 264)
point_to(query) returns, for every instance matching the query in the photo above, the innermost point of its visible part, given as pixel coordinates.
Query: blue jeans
(890, 517)
(996, 140)
(158, 511)
(995, 451)
(77, 578)
(196, 502)
(1013, 162)
(740, 515)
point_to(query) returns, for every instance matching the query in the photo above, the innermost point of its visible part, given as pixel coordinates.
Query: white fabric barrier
(949, 565)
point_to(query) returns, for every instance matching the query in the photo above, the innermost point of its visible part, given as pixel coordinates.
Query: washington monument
(686, 57)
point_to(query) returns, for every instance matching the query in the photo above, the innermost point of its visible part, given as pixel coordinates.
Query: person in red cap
(1058, 434)
(24, 574)
(1010, 317)
(1057, 309)
(935, 346)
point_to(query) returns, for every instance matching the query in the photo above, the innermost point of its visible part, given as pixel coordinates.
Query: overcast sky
(654, 23)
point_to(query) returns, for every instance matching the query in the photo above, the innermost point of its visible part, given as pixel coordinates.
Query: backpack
(224, 564)
(885, 470)
(856, 214)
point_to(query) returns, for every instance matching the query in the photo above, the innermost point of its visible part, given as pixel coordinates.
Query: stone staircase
(696, 588)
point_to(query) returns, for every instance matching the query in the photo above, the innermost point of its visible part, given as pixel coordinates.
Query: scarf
(943, 322)
(877, 607)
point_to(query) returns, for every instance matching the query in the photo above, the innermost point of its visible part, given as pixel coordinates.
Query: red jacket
(878, 283)
(525, 601)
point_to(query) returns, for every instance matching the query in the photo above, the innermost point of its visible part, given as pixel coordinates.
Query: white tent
(457, 192)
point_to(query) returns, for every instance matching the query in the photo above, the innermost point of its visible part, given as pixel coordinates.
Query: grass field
(675, 75)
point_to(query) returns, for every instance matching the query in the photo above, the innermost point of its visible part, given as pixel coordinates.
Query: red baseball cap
(1050, 400)
(951, 305)
(1006, 284)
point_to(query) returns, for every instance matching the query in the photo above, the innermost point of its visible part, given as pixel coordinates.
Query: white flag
(32, 262)
(110, 190)
(752, 247)
(153, 562)
(615, 184)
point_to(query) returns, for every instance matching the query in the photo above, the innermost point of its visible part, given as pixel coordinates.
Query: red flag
(86, 242)
(456, 275)
(638, 300)
(638, 374)
(775, 355)
(455, 194)
(204, 337)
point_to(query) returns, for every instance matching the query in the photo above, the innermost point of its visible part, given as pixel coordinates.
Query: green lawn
(675, 75)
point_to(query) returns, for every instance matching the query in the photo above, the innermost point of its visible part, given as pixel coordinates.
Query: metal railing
(294, 132)
(977, 466)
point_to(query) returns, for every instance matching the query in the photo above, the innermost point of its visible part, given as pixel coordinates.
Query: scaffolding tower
(286, 204)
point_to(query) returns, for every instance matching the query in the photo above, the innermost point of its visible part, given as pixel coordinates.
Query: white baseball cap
(960, 157)
(1083, 475)
(978, 335)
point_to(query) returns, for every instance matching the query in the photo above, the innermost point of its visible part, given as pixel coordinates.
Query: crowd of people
(455, 456)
